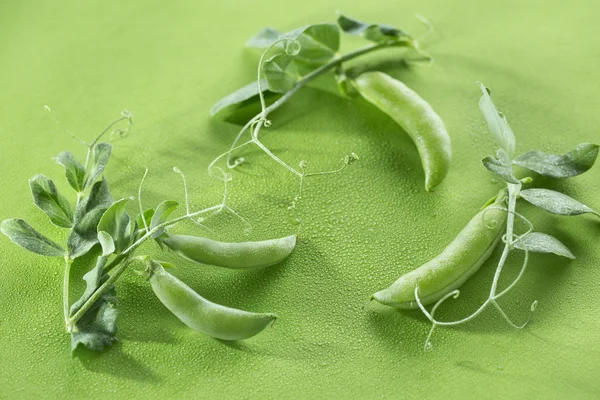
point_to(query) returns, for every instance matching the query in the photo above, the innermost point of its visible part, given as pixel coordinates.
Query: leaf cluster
(295, 54)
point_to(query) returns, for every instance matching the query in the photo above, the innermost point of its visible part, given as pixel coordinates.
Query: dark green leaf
(75, 171)
(379, 33)
(264, 38)
(496, 121)
(279, 75)
(163, 211)
(46, 197)
(21, 233)
(555, 202)
(97, 329)
(573, 163)
(243, 94)
(87, 215)
(93, 280)
(500, 166)
(100, 155)
(116, 222)
(538, 242)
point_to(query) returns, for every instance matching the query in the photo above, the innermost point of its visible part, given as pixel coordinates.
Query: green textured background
(169, 62)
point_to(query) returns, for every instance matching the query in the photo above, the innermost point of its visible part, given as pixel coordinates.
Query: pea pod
(201, 314)
(457, 263)
(416, 117)
(240, 255)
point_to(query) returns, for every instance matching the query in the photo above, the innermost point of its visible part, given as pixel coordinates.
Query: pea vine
(555, 166)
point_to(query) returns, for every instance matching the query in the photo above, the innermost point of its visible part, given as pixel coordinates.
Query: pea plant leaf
(243, 94)
(317, 43)
(22, 234)
(147, 217)
(100, 155)
(117, 224)
(496, 121)
(278, 76)
(87, 215)
(49, 200)
(500, 166)
(538, 242)
(74, 170)
(378, 33)
(163, 211)
(93, 280)
(573, 163)
(107, 243)
(97, 328)
(555, 202)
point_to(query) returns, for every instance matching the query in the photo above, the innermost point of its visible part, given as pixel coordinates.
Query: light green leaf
(148, 214)
(497, 123)
(107, 243)
(116, 222)
(100, 155)
(379, 33)
(46, 197)
(264, 38)
(21, 233)
(573, 163)
(555, 202)
(163, 211)
(87, 215)
(248, 92)
(280, 77)
(318, 43)
(500, 166)
(538, 242)
(74, 170)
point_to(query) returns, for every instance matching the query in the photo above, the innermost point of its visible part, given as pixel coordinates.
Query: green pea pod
(457, 263)
(241, 255)
(201, 314)
(416, 117)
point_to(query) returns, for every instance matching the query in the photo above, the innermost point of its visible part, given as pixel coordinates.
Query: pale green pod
(457, 263)
(201, 314)
(240, 255)
(416, 117)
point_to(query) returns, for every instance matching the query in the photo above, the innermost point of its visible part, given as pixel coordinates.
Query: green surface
(361, 229)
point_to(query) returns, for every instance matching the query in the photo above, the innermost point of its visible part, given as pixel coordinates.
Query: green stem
(513, 192)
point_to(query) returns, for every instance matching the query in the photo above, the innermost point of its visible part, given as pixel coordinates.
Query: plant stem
(513, 192)
(66, 279)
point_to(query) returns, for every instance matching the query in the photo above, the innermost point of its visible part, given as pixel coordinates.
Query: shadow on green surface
(127, 367)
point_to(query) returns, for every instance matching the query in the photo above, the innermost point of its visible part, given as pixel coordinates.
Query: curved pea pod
(457, 263)
(240, 255)
(202, 315)
(416, 117)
